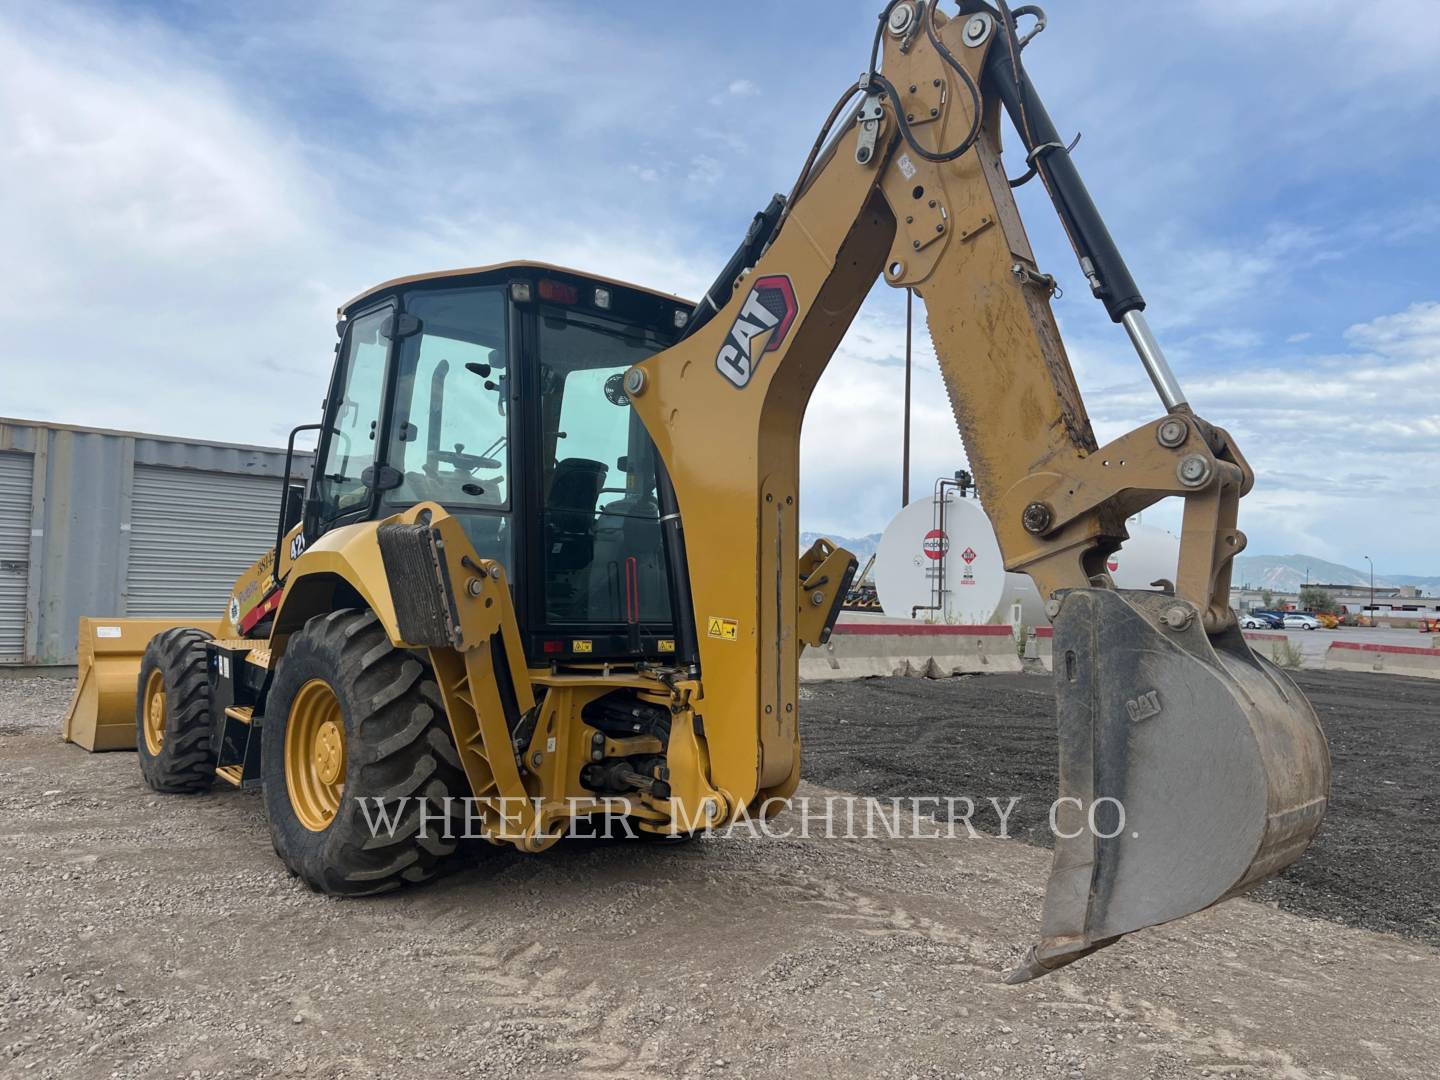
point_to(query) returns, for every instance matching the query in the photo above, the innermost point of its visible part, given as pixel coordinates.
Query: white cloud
(159, 230)
(739, 88)
(188, 206)
(704, 170)
(1399, 39)
(1344, 446)
(178, 242)
(850, 450)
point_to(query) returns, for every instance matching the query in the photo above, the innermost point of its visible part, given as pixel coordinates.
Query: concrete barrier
(861, 650)
(1277, 648)
(863, 655)
(1252, 635)
(1040, 647)
(1413, 660)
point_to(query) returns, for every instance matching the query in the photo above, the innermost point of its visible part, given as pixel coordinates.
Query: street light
(1372, 589)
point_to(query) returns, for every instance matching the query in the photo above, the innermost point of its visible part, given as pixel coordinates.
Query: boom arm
(913, 189)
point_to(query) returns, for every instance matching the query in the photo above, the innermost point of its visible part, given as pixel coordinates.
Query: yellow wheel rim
(315, 755)
(155, 712)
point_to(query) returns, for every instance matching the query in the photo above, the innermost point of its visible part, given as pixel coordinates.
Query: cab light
(520, 292)
(558, 292)
(602, 299)
(681, 318)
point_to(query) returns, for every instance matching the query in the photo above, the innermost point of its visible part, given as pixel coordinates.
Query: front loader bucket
(1216, 758)
(102, 712)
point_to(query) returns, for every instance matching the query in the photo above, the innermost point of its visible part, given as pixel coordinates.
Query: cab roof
(496, 269)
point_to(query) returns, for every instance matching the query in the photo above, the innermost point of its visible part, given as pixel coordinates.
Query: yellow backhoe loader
(547, 561)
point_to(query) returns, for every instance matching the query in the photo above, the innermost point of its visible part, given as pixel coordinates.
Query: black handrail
(285, 494)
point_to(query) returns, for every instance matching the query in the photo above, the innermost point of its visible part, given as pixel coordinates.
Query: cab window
(449, 438)
(342, 481)
(601, 547)
(449, 442)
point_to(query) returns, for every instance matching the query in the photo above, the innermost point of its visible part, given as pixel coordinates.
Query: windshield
(603, 561)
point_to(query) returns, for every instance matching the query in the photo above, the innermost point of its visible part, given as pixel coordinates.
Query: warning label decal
(724, 629)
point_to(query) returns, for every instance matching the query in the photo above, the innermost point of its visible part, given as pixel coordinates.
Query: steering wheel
(466, 463)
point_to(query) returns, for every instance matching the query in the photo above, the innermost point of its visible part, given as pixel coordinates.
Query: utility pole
(1372, 589)
(905, 453)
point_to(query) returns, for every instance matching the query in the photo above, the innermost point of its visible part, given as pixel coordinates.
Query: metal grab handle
(285, 491)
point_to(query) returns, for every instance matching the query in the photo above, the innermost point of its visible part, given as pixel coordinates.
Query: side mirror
(294, 507)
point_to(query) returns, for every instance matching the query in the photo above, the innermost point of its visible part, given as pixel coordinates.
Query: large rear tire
(353, 724)
(172, 713)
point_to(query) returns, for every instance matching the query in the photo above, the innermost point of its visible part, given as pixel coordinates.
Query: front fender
(457, 607)
(339, 566)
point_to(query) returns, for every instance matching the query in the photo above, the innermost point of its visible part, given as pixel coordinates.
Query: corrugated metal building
(96, 522)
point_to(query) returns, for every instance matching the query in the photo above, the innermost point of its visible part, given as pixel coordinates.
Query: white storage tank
(948, 569)
(1149, 555)
(940, 563)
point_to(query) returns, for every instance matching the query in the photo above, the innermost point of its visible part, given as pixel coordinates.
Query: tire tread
(398, 746)
(186, 762)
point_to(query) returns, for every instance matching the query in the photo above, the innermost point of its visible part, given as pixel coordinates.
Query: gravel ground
(1374, 864)
(158, 936)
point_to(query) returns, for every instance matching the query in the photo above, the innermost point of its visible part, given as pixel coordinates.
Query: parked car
(1261, 620)
(1296, 620)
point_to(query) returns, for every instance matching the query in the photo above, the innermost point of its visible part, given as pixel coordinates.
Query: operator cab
(497, 392)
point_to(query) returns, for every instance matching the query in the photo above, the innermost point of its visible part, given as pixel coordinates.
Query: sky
(189, 190)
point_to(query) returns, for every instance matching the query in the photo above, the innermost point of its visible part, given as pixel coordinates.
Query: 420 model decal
(770, 306)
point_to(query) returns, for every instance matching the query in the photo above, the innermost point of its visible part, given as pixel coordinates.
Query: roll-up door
(192, 534)
(16, 471)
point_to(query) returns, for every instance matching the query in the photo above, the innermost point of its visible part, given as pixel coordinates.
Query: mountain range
(1283, 573)
(1286, 573)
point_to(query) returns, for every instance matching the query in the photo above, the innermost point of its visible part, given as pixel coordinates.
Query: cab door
(603, 587)
(343, 484)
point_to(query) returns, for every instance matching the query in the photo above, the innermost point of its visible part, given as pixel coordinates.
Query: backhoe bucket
(1190, 771)
(102, 712)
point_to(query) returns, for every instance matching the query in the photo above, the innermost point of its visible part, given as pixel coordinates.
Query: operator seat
(570, 512)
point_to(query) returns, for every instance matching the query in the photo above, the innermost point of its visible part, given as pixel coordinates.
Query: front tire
(172, 713)
(352, 723)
